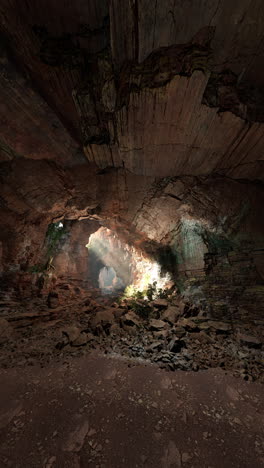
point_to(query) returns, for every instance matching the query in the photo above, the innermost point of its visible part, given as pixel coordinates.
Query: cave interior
(131, 189)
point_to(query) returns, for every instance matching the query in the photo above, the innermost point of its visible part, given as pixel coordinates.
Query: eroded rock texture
(144, 117)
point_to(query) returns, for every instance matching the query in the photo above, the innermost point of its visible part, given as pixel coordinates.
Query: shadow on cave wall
(216, 272)
(95, 264)
(220, 271)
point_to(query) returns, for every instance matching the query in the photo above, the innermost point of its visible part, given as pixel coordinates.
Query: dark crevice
(136, 31)
(226, 92)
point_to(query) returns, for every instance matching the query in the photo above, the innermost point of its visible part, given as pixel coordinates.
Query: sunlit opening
(109, 281)
(117, 266)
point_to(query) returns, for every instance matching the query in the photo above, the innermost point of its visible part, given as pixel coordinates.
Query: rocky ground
(169, 332)
(100, 412)
(86, 381)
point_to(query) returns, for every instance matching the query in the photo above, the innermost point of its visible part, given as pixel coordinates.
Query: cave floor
(101, 411)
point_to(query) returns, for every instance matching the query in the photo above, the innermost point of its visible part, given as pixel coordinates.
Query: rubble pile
(170, 333)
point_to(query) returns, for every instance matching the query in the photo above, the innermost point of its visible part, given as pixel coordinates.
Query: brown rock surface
(87, 410)
(140, 124)
(171, 314)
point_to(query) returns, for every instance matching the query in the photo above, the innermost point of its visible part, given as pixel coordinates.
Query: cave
(131, 233)
(110, 262)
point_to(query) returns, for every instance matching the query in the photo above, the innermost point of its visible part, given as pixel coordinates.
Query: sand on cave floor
(98, 411)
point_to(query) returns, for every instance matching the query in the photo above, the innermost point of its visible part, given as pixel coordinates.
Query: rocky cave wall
(71, 258)
(84, 248)
(211, 227)
(146, 119)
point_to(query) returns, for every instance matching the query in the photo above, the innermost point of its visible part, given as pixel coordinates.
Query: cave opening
(131, 235)
(110, 261)
(116, 266)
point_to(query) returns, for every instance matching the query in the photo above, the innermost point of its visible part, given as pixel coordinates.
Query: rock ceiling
(131, 110)
(144, 119)
(160, 88)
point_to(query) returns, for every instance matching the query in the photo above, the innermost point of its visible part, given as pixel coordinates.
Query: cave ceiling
(144, 120)
(135, 113)
(165, 88)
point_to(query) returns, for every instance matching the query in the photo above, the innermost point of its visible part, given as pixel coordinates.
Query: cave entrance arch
(109, 282)
(114, 265)
(110, 261)
(106, 261)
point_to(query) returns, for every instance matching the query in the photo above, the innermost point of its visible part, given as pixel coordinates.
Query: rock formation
(146, 118)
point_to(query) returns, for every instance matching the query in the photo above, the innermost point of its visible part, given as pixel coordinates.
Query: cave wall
(216, 233)
(71, 257)
(145, 118)
(173, 88)
(212, 225)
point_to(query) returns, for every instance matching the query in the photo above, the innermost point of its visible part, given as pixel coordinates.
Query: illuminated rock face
(70, 258)
(98, 257)
(111, 261)
(206, 233)
(147, 121)
(109, 282)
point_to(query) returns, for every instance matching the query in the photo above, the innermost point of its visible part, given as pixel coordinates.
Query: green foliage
(180, 285)
(54, 234)
(130, 291)
(42, 267)
(38, 268)
(142, 309)
(163, 293)
(139, 295)
(151, 291)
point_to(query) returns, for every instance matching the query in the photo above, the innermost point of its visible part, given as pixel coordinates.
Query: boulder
(171, 314)
(105, 318)
(154, 347)
(161, 334)
(220, 327)
(156, 324)
(115, 329)
(130, 319)
(72, 332)
(189, 325)
(203, 325)
(90, 305)
(175, 345)
(118, 312)
(250, 341)
(82, 340)
(202, 337)
(182, 306)
(130, 329)
(180, 332)
(160, 303)
(191, 311)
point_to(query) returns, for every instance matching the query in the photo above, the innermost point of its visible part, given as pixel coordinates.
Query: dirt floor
(105, 411)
